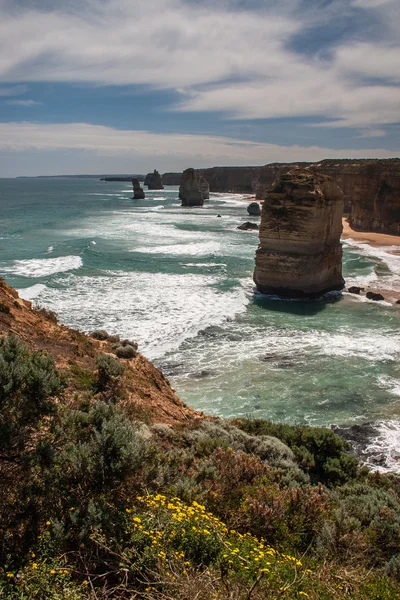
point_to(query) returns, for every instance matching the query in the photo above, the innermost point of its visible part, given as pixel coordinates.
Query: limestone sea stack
(153, 181)
(300, 254)
(193, 189)
(138, 193)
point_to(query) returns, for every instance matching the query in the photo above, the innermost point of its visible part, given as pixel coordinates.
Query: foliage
(28, 380)
(319, 451)
(109, 372)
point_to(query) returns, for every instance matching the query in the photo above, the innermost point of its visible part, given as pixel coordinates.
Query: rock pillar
(300, 253)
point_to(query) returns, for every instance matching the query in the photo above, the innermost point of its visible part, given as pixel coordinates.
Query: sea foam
(42, 267)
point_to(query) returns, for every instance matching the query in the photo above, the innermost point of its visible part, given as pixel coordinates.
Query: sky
(126, 86)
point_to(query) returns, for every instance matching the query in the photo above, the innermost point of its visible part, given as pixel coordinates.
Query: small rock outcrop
(300, 254)
(193, 189)
(354, 289)
(374, 296)
(248, 226)
(153, 181)
(254, 209)
(138, 193)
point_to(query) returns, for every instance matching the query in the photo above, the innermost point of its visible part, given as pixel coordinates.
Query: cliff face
(153, 181)
(146, 388)
(301, 221)
(193, 189)
(232, 179)
(171, 178)
(372, 188)
(138, 193)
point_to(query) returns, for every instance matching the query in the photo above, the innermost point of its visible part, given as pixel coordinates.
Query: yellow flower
(48, 522)
(33, 555)
(303, 594)
(85, 582)
(128, 510)
(10, 574)
(137, 520)
(34, 566)
(53, 572)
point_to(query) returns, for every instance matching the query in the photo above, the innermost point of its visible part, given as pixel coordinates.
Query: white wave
(160, 311)
(32, 292)
(41, 267)
(385, 447)
(49, 249)
(199, 249)
(391, 384)
(387, 257)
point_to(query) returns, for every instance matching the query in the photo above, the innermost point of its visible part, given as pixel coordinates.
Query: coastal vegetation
(100, 501)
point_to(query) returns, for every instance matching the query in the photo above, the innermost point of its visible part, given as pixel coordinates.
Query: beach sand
(373, 239)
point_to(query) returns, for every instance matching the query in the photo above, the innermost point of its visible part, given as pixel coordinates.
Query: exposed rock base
(300, 254)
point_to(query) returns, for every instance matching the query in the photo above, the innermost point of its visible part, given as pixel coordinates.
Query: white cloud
(205, 50)
(181, 149)
(22, 102)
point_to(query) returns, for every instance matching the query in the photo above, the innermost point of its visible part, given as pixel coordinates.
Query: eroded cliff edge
(301, 222)
(146, 390)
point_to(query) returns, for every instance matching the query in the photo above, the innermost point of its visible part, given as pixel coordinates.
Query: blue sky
(128, 86)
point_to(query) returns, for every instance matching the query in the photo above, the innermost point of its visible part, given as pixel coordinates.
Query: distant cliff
(371, 188)
(171, 178)
(232, 179)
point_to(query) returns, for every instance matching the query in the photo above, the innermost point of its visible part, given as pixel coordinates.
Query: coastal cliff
(301, 221)
(241, 180)
(371, 188)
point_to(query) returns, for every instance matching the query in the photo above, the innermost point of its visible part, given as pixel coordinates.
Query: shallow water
(179, 281)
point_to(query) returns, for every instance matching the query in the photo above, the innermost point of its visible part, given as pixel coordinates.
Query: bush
(127, 351)
(99, 334)
(109, 372)
(28, 381)
(322, 454)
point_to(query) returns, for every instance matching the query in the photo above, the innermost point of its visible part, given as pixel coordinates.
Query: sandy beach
(373, 239)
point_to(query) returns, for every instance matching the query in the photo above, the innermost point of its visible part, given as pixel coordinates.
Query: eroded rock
(153, 181)
(193, 189)
(254, 209)
(138, 193)
(374, 296)
(248, 226)
(300, 254)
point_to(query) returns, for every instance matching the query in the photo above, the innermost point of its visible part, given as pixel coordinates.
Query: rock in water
(153, 181)
(138, 193)
(254, 209)
(193, 189)
(374, 296)
(300, 254)
(248, 226)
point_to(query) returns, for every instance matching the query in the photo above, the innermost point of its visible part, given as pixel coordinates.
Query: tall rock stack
(153, 181)
(138, 193)
(300, 254)
(194, 189)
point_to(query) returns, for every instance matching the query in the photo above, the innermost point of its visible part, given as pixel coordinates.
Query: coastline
(376, 240)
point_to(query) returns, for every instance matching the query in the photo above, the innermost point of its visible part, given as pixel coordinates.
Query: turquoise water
(179, 281)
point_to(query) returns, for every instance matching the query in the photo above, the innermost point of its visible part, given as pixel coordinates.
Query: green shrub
(28, 381)
(109, 372)
(322, 454)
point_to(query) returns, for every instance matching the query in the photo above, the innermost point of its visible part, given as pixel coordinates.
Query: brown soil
(146, 390)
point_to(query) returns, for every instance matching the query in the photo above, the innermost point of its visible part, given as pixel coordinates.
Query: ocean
(179, 282)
